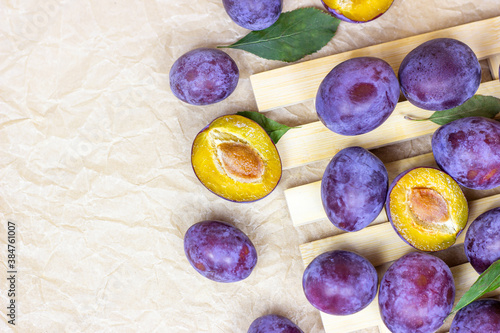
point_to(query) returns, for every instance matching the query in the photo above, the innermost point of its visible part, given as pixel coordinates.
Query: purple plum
(354, 188)
(273, 324)
(219, 251)
(416, 294)
(253, 14)
(481, 244)
(203, 76)
(468, 149)
(357, 96)
(479, 316)
(440, 74)
(340, 282)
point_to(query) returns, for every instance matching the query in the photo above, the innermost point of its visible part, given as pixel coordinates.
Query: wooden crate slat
(379, 243)
(494, 64)
(464, 276)
(299, 82)
(304, 202)
(314, 142)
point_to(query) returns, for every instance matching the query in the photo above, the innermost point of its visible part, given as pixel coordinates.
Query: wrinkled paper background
(95, 165)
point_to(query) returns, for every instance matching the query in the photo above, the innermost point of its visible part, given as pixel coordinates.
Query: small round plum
(481, 244)
(416, 294)
(340, 282)
(219, 251)
(468, 149)
(273, 324)
(440, 74)
(354, 188)
(479, 316)
(357, 96)
(203, 76)
(253, 14)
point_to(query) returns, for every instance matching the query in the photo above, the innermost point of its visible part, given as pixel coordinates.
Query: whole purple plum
(479, 316)
(357, 96)
(481, 244)
(203, 76)
(440, 74)
(253, 14)
(273, 324)
(219, 251)
(354, 188)
(416, 294)
(340, 282)
(468, 149)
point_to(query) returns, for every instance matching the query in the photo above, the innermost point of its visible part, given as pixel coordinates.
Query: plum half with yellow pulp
(357, 11)
(236, 159)
(427, 208)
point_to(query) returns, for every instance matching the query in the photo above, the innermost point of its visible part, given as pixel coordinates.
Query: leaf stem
(407, 117)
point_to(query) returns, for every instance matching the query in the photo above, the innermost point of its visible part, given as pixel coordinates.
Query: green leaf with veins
(294, 35)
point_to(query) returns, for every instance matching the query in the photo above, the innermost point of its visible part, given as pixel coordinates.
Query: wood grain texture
(299, 82)
(379, 243)
(314, 142)
(305, 205)
(494, 64)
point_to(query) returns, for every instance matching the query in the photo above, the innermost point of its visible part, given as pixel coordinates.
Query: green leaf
(488, 281)
(478, 105)
(293, 36)
(274, 129)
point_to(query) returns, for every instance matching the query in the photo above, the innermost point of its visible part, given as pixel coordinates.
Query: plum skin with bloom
(468, 149)
(357, 96)
(416, 294)
(439, 74)
(340, 282)
(219, 251)
(273, 324)
(481, 244)
(253, 14)
(203, 76)
(354, 188)
(482, 315)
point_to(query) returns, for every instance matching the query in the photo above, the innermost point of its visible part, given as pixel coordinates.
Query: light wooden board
(299, 82)
(304, 202)
(314, 142)
(494, 64)
(464, 276)
(379, 243)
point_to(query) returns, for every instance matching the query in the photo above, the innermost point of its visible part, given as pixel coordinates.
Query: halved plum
(357, 11)
(427, 208)
(236, 159)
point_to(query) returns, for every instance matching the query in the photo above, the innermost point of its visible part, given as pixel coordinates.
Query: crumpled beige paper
(95, 165)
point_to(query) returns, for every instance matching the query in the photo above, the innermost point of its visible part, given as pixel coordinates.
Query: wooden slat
(464, 276)
(494, 63)
(314, 142)
(379, 243)
(299, 82)
(304, 202)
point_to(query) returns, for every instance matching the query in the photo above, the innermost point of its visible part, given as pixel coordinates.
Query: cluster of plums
(235, 159)
(206, 76)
